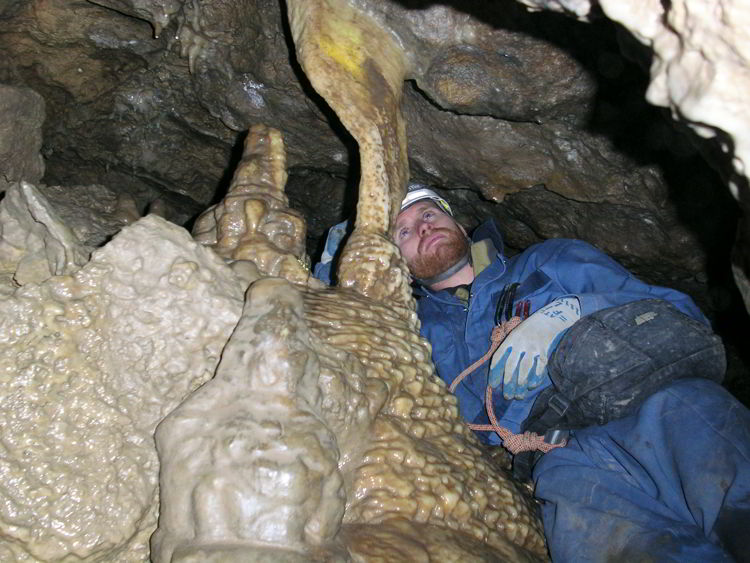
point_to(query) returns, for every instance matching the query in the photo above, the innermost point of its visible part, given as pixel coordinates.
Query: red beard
(444, 254)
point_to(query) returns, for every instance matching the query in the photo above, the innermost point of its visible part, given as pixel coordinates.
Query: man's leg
(669, 483)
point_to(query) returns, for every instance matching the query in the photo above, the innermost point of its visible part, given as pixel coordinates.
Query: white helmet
(418, 192)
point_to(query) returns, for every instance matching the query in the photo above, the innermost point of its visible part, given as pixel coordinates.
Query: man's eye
(402, 233)
(428, 214)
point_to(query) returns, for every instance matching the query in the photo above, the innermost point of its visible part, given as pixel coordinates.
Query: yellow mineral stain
(346, 49)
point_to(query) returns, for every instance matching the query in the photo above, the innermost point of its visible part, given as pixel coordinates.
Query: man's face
(430, 240)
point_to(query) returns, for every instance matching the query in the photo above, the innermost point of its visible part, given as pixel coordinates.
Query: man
(458, 309)
(668, 482)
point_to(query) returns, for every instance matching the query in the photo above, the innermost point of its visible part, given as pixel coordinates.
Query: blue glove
(521, 361)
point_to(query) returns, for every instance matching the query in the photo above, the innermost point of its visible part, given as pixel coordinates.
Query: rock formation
(535, 119)
(306, 424)
(325, 420)
(91, 362)
(699, 65)
(20, 135)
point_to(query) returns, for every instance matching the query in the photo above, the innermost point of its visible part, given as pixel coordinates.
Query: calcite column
(359, 68)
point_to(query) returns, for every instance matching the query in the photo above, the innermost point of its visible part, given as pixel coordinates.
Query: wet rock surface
(21, 115)
(91, 361)
(537, 120)
(498, 101)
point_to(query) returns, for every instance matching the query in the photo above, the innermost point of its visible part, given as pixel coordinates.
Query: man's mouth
(430, 241)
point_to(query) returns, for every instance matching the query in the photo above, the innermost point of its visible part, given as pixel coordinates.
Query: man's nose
(424, 228)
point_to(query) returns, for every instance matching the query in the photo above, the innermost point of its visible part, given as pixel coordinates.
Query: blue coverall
(668, 483)
(460, 334)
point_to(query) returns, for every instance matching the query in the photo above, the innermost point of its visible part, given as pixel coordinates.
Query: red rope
(514, 443)
(498, 335)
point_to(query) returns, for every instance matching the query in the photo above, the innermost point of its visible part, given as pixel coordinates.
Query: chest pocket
(517, 299)
(450, 356)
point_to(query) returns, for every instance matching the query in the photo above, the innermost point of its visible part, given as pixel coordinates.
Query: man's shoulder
(551, 254)
(488, 230)
(559, 245)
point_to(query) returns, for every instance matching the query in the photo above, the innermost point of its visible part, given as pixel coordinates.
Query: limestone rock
(89, 364)
(579, 8)
(94, 213)
(34, 242)
(21, 118)
(403, 540)
(699, 65)
(467, 64)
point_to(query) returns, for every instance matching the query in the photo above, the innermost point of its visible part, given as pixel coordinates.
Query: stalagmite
(254, 222)
(325, 426)
(322, 433)
(359, 69)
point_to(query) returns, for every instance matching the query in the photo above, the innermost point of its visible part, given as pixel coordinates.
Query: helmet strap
(447, 273)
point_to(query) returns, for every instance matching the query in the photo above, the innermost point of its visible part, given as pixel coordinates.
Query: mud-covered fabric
(460, 332)
(670, 482)
(609, 362)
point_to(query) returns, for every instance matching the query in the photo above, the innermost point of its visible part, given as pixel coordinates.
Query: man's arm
(323, 270)
(600, 282)
(587, 280)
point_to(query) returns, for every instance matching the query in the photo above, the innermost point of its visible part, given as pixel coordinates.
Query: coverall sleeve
(600, 282)
(323, 270)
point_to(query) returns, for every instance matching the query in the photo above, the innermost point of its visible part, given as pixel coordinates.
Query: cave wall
(498, 101)
(538, 119)
(535, 119)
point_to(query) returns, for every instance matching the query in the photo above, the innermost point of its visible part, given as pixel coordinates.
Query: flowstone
(325, 429)
(324, 435)
(90, 362)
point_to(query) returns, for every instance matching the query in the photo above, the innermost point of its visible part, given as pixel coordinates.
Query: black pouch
(609, 362)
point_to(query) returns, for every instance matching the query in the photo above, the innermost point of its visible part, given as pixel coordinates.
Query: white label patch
(645, 317)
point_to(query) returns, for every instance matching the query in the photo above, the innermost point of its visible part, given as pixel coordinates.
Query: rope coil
(514, 443)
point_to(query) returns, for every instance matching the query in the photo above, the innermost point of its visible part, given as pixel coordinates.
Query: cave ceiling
(534, 118)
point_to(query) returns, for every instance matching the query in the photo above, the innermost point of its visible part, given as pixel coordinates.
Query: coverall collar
(486, 231)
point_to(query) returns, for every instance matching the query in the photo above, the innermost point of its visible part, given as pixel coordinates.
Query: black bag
(612, 360)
